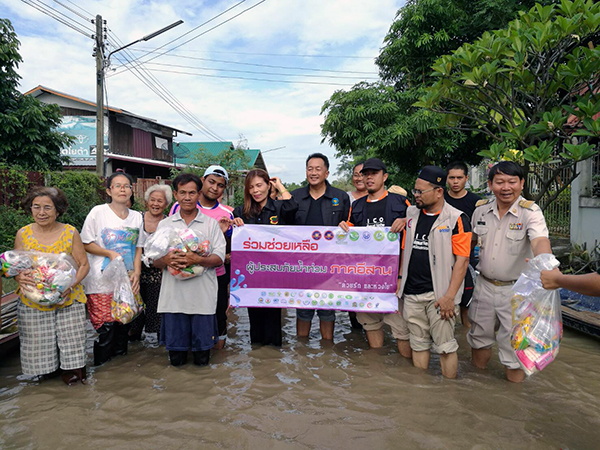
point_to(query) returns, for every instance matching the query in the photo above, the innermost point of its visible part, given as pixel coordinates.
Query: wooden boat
(9, 335)
(581, 312)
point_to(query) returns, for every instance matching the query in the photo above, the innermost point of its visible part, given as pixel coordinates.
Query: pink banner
(315, 268)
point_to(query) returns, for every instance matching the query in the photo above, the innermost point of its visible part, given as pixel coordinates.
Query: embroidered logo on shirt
(515, 226)
(444, 229)
(273, 220)
(335, 201)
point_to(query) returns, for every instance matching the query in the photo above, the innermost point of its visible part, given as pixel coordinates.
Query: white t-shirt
(103, 227)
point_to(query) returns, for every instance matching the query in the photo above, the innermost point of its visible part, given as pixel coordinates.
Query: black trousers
(265, 326)
(112, 341)
(223, 300)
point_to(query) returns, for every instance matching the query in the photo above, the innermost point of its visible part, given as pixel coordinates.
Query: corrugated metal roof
(36, 91)
(184, 152)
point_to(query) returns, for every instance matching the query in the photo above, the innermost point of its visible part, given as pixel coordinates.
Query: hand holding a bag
(176, 259)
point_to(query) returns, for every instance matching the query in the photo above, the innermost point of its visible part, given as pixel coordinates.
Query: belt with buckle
(498, 282)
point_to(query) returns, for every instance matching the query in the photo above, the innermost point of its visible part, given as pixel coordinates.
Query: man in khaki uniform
(508, 230)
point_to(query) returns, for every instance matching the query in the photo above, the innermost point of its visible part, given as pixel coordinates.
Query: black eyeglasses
(420, 192)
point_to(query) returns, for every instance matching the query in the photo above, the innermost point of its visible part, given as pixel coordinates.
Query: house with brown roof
(137, 145)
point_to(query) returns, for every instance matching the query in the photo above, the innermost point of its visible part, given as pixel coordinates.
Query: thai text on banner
(314, 267)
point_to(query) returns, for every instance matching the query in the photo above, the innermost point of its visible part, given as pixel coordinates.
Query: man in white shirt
(189, 306)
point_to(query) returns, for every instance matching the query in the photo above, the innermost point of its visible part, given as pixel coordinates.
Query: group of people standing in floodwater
(445, 235)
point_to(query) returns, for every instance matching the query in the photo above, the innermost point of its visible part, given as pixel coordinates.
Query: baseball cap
(218, 171)
(373, 164)
(433, 174)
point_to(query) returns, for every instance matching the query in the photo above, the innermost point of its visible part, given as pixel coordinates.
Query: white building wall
(585, 209)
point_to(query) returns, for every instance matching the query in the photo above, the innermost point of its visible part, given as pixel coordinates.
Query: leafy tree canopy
(532, 89)
(28, 135)
(379, 119)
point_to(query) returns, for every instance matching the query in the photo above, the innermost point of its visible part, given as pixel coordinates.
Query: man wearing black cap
(380, 208)
(320, 204)
(434, 262)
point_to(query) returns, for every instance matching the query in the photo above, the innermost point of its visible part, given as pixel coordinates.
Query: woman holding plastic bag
(111, 230)
(51, 333)
(157, 197)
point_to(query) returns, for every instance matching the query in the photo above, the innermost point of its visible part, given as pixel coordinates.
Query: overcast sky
(275, 33)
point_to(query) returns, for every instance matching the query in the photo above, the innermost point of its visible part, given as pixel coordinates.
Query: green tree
(235, 160)
(379, 119)
(28, 135)
(84, 190)
(532, 89)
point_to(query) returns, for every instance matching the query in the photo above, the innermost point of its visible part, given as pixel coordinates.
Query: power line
(263, 73)
(69, 18)
(270, 66)
(87, 19)
(48, 13)
(203, 33)
(170, 102)
(247, 78)
(155, 85)
(77, 6)
(290, 55)
(197, 27)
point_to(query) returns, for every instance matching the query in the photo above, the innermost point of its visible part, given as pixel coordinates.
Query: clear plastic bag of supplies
(125, 305)
(536, 316)
(182, 239)
(52, 273)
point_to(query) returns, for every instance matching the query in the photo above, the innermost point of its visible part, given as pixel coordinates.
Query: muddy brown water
(306, 395)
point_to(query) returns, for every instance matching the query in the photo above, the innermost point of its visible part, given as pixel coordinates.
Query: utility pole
(99, 50)
(101, 64)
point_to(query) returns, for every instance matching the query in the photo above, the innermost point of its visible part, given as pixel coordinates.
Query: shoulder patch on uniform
(529, 204)
(483, 201)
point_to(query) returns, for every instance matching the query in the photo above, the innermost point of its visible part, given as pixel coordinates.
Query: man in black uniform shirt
(320, 204)
(380, 208)
(465, 201)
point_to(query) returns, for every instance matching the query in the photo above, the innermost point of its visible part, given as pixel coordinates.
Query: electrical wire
(290, 55)
(201, 34)
(69, 18)
(308, 69)
(48, 13)
(159, 89)
(77, 6)
(167, 100)
(87, 19)
(202, 24)
(247, 78)
(188, 115)
(264, 73)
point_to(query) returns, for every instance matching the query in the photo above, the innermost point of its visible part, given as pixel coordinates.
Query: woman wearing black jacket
(260, 209)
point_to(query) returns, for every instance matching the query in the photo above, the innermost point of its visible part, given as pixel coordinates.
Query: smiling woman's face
(43, 210)
(156, 203)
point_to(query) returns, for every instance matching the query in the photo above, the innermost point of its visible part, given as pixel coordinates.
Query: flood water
(305, 395)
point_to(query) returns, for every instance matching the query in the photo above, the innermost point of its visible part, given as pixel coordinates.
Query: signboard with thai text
(83, 129)
(315, 268)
